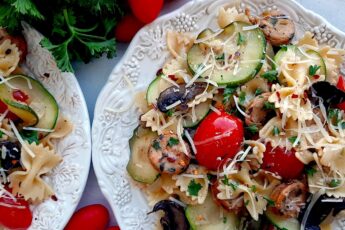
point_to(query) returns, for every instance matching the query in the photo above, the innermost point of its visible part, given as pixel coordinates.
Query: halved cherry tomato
(91, 217)
(20, 42)
(218, 137)
(146, 10)
(283, 162)
(114, 228)
(341, 83)
(16, 215)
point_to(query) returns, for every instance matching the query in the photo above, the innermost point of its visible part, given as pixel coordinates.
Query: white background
(94, 75)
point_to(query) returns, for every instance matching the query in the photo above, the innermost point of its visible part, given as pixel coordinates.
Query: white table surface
(93, 76)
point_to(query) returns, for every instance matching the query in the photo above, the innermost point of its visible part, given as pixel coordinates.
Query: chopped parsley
(269, 201)
(313, 69)
(334, 116)
(233, 185)
(342, 125)
(253, 188)
(194, 188)
(242, 97)
(258, 91)
(1, 133)
(173, 141)
(228, 92)
(225, 220)
(246, 202)
(31, 136)
(156, 145)
(269, 105)
(334, 183)
(310, 171)
(170, 112)
(284, 47)
(270, 76)
(220, 58)
(252, 128)
(292, 139)
(241, 39)
(275, 131)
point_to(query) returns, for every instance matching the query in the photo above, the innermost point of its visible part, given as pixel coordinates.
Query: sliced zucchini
(22, 111)
(201, 110)
(282, 222)
(139, 166)
(152, 92)
(248, 46)
(207, 216)
(292, 50)
(40, 100)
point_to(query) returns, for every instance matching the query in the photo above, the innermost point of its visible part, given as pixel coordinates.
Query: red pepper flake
(278, 95)
(316, 76)
(172, 77)
(294, 96)
(20, 95)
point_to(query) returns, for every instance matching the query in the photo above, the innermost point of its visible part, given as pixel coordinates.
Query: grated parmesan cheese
(189, 138)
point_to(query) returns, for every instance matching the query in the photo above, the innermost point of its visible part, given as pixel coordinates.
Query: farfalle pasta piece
(334, 158)
(227, 16)
(62, 128)
(29, 183)
(9, 57)
(177, 67)
(179, 43)
(155, 120)
(308, 40)
(194, 174)
(7, 133)
(257, 150)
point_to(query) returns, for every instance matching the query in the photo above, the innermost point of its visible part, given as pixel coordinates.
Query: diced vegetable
(282, 222)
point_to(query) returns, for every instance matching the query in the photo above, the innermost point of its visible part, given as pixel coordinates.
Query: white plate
(146, 54)
(68, 179)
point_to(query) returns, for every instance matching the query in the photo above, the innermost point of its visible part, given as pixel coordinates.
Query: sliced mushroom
(174, 217)
(289, 198)
(167, 154)
(278, 28)
(11, 157)
(257, 113)
(182, 93)
(235, 205)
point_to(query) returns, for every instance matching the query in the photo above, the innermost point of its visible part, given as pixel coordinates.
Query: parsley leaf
(170, 112)
(241, 39)
(292, 139)
(232, 184)
(156, 145)
(228, 92)
(269, 201)
(253, 188)
(334, 183)
(275, 131)
(310, 171)
(30, 136)
(284, 47)
(246, 202)
(313, 69)
(1, 133)
(252, 128)
(258, 91)
(194, 188)
(173, 141)
(242, 97)
(221, 57)
(270, 76)
(269, 105)
(225, 220)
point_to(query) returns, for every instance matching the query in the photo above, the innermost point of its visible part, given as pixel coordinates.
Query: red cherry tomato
(20, 95)
(17, 215)
(218, 137)
(127, 28)
(341, 83)
(114, 228)
(146, 10)
(92, 217)
(282, 162)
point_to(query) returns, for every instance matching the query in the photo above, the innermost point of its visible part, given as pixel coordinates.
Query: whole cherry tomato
(146, 10)
(127, 28)
(113, 228)
(218, 137)
(20, 42)
(91, 217)
(283, 162)
(341, 86)
(16, 215)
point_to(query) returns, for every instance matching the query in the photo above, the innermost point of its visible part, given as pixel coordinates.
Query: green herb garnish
(242, 97)
(258, 91)
(334, 183)
(194, 188)
(246, 202)
(1, 134)
(275, 131)
(170, 112)
(310, 171)
(31, 136)
(220, 58)
(292, 139)
(269, 201)
(313, 69)
(228, 92)
(173, 141)
(233, 185)
(270, 76)
(156, 145)
(284, 47)
(253, 188)
(269, 105)
(241, 39)
(252, 128)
